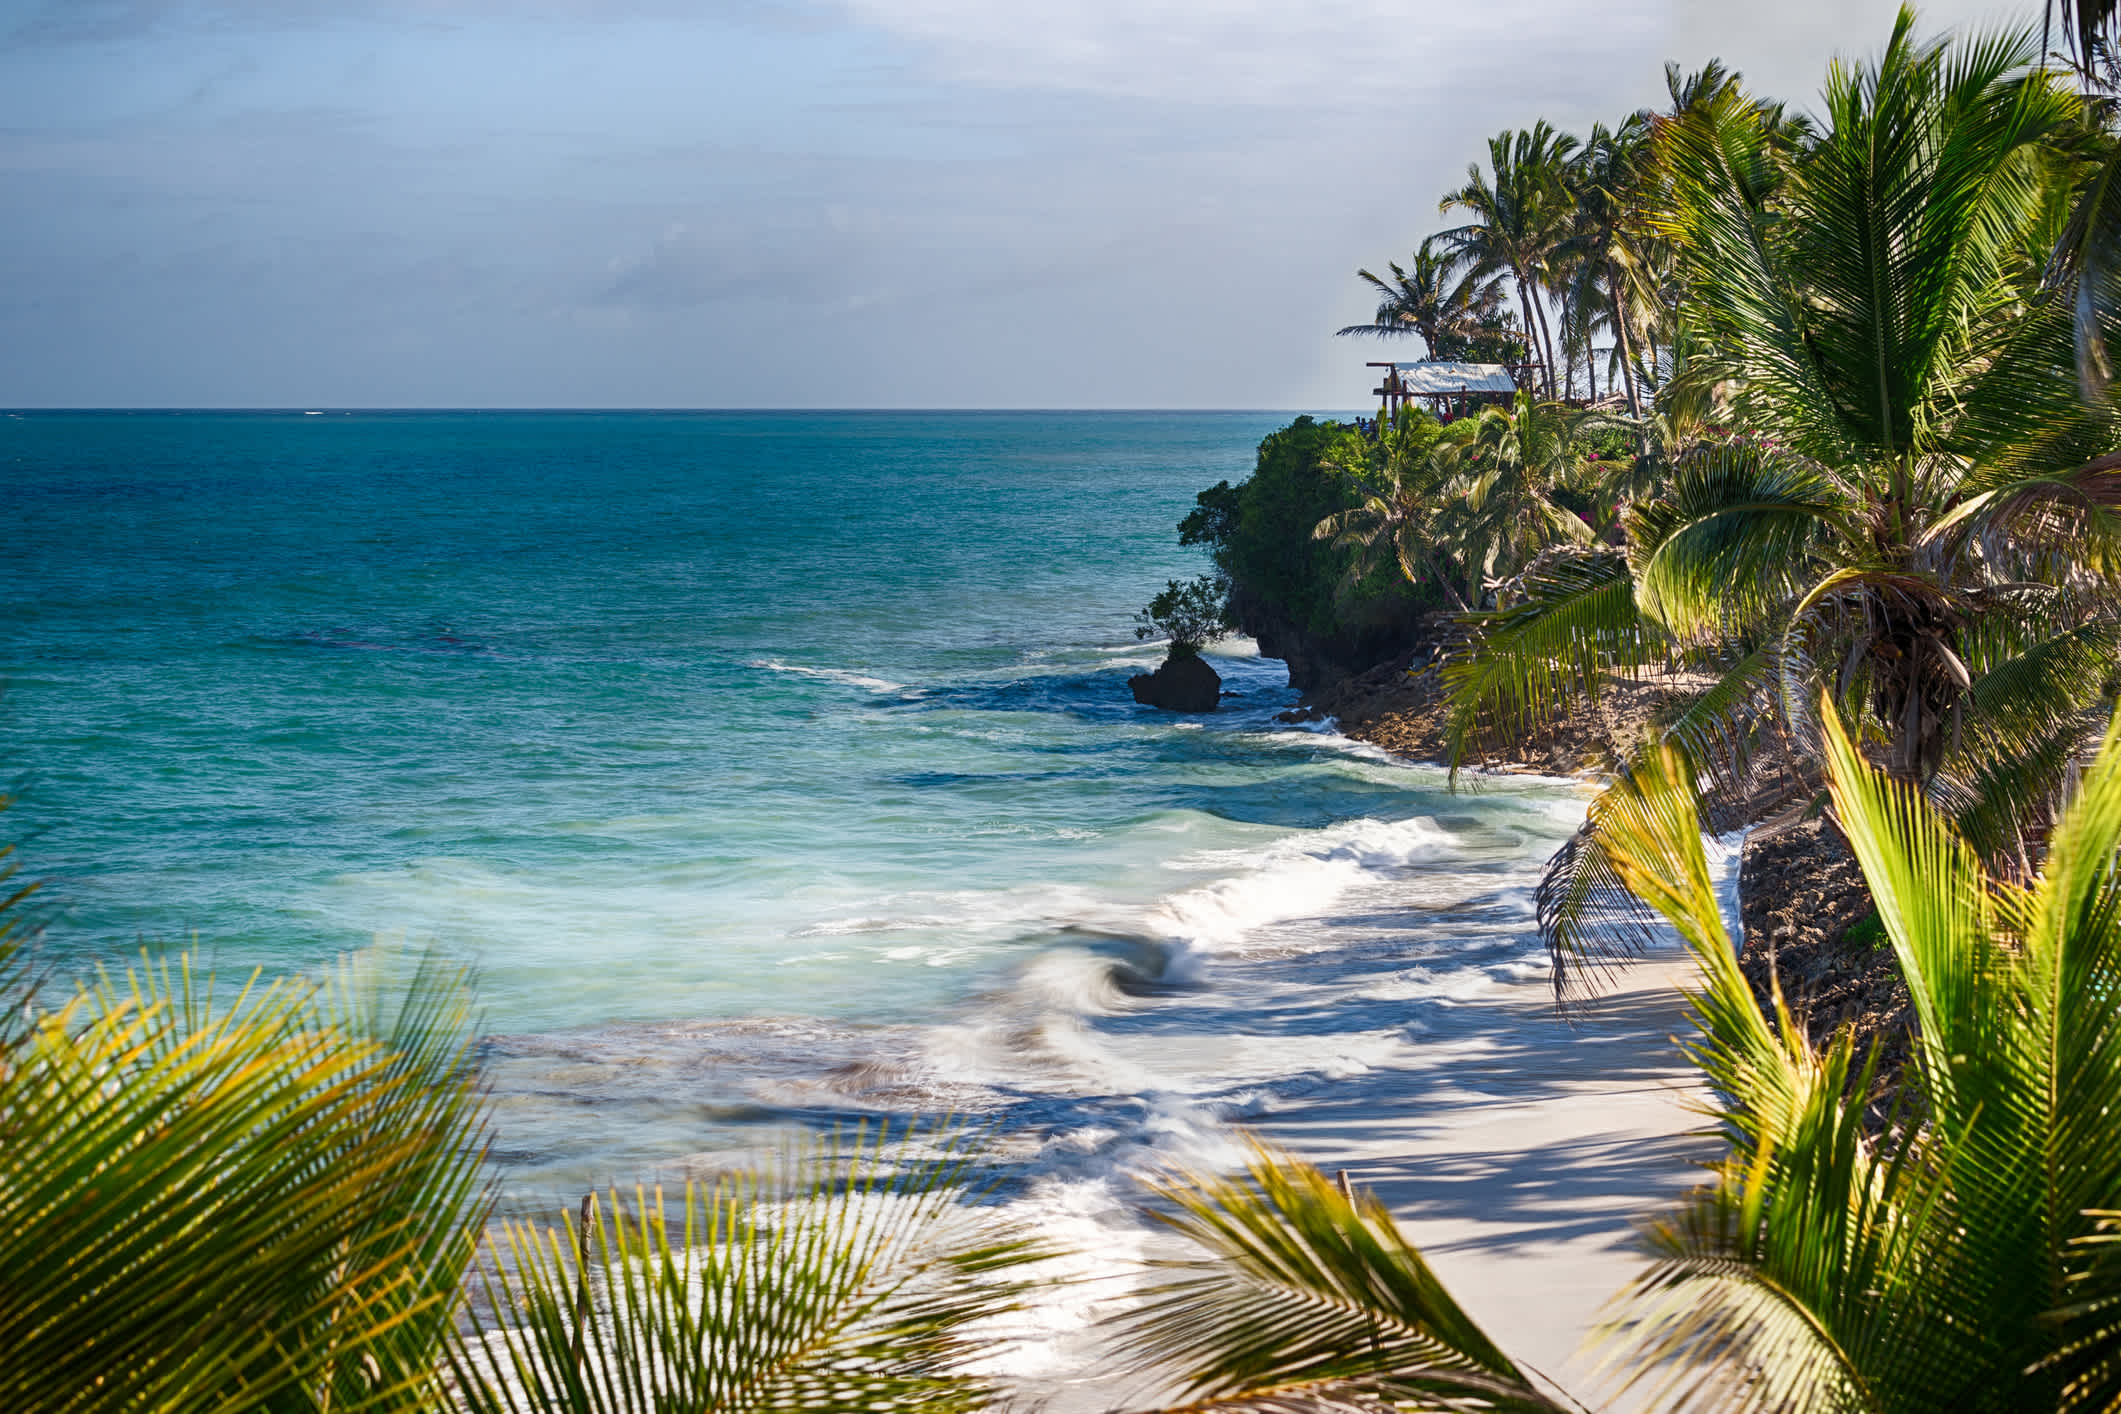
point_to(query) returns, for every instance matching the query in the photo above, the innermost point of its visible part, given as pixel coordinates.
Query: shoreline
(1803, 925)
(1521, 1161)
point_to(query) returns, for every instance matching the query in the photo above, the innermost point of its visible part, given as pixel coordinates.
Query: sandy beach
(1520, 1154)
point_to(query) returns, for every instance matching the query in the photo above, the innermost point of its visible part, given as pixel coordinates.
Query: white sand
(1519, 1152)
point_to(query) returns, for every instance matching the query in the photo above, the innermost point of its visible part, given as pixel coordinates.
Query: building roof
(1436, 376)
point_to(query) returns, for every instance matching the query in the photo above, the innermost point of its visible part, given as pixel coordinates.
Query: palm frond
(1311, 1299)
(1934, 901)
(2025, 524)
(257, 1206)
(1718, 729)
(1762, 1289)
(844, 1280)
(2071, 963)
(1732, 539)
(2032, 717)
(2084, 266)
(1572, 620)
(1589, 919)
(1765, 1291)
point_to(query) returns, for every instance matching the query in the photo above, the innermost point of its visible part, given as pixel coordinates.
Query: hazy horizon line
(301, 410)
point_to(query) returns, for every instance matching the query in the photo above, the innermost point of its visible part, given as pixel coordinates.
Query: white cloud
(1332, 53)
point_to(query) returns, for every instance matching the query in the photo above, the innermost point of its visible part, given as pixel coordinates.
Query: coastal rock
(1185, 684)
(1401, 707)
(1377, 631)
(1810, 927)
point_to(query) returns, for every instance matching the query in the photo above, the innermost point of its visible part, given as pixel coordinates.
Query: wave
(1301, 876)
(1115, 1037)
(844, 676)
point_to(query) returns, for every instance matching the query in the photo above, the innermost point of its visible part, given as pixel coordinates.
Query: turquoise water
(768, 767)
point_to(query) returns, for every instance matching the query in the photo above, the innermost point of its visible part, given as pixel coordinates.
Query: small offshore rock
(1185, 684)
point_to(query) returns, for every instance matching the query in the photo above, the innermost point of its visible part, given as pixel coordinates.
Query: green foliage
(1259, 531)
(1190, 613)
(1866, 932)
(847, 1280)
(1403, 486)
(258, 1201)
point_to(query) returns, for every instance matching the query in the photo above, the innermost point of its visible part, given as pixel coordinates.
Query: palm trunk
(1443, 581)
(1546, 329)
(1531, 325)
(1535, 322)
(1620, 329)
(1537, 336)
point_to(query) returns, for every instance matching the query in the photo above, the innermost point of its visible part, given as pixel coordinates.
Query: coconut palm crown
(1921, 516)
(1437, 297)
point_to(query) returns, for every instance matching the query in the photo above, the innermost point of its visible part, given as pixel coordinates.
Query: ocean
(771, 770)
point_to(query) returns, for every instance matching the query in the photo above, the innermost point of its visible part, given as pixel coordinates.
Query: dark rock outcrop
(1185, 684)
(1381, 631)
(1400, 706)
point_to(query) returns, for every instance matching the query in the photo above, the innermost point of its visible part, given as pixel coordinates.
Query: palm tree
(1435, 298)
(1607, 184)
(1485, 496)
(1923, 517)
(1513, 470)
(1894, 529)
(1516, 215)
(1965, 1262)
(1404, 508)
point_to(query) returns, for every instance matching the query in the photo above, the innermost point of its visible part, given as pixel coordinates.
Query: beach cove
(748, 832)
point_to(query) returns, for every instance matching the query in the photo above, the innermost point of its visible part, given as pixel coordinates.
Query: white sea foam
(838, 675)
(983, 913)
(1328, 733)
(1301, 876)
(1724, 852)
(1117, 1030)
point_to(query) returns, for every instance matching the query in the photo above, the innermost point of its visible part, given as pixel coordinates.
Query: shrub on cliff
(1259, 531)
(1307, 601)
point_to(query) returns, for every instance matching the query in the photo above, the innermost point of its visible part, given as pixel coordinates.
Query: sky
(778, 203)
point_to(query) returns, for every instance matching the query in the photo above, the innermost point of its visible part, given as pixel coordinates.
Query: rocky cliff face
(1390, 631)
(1811, 928)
